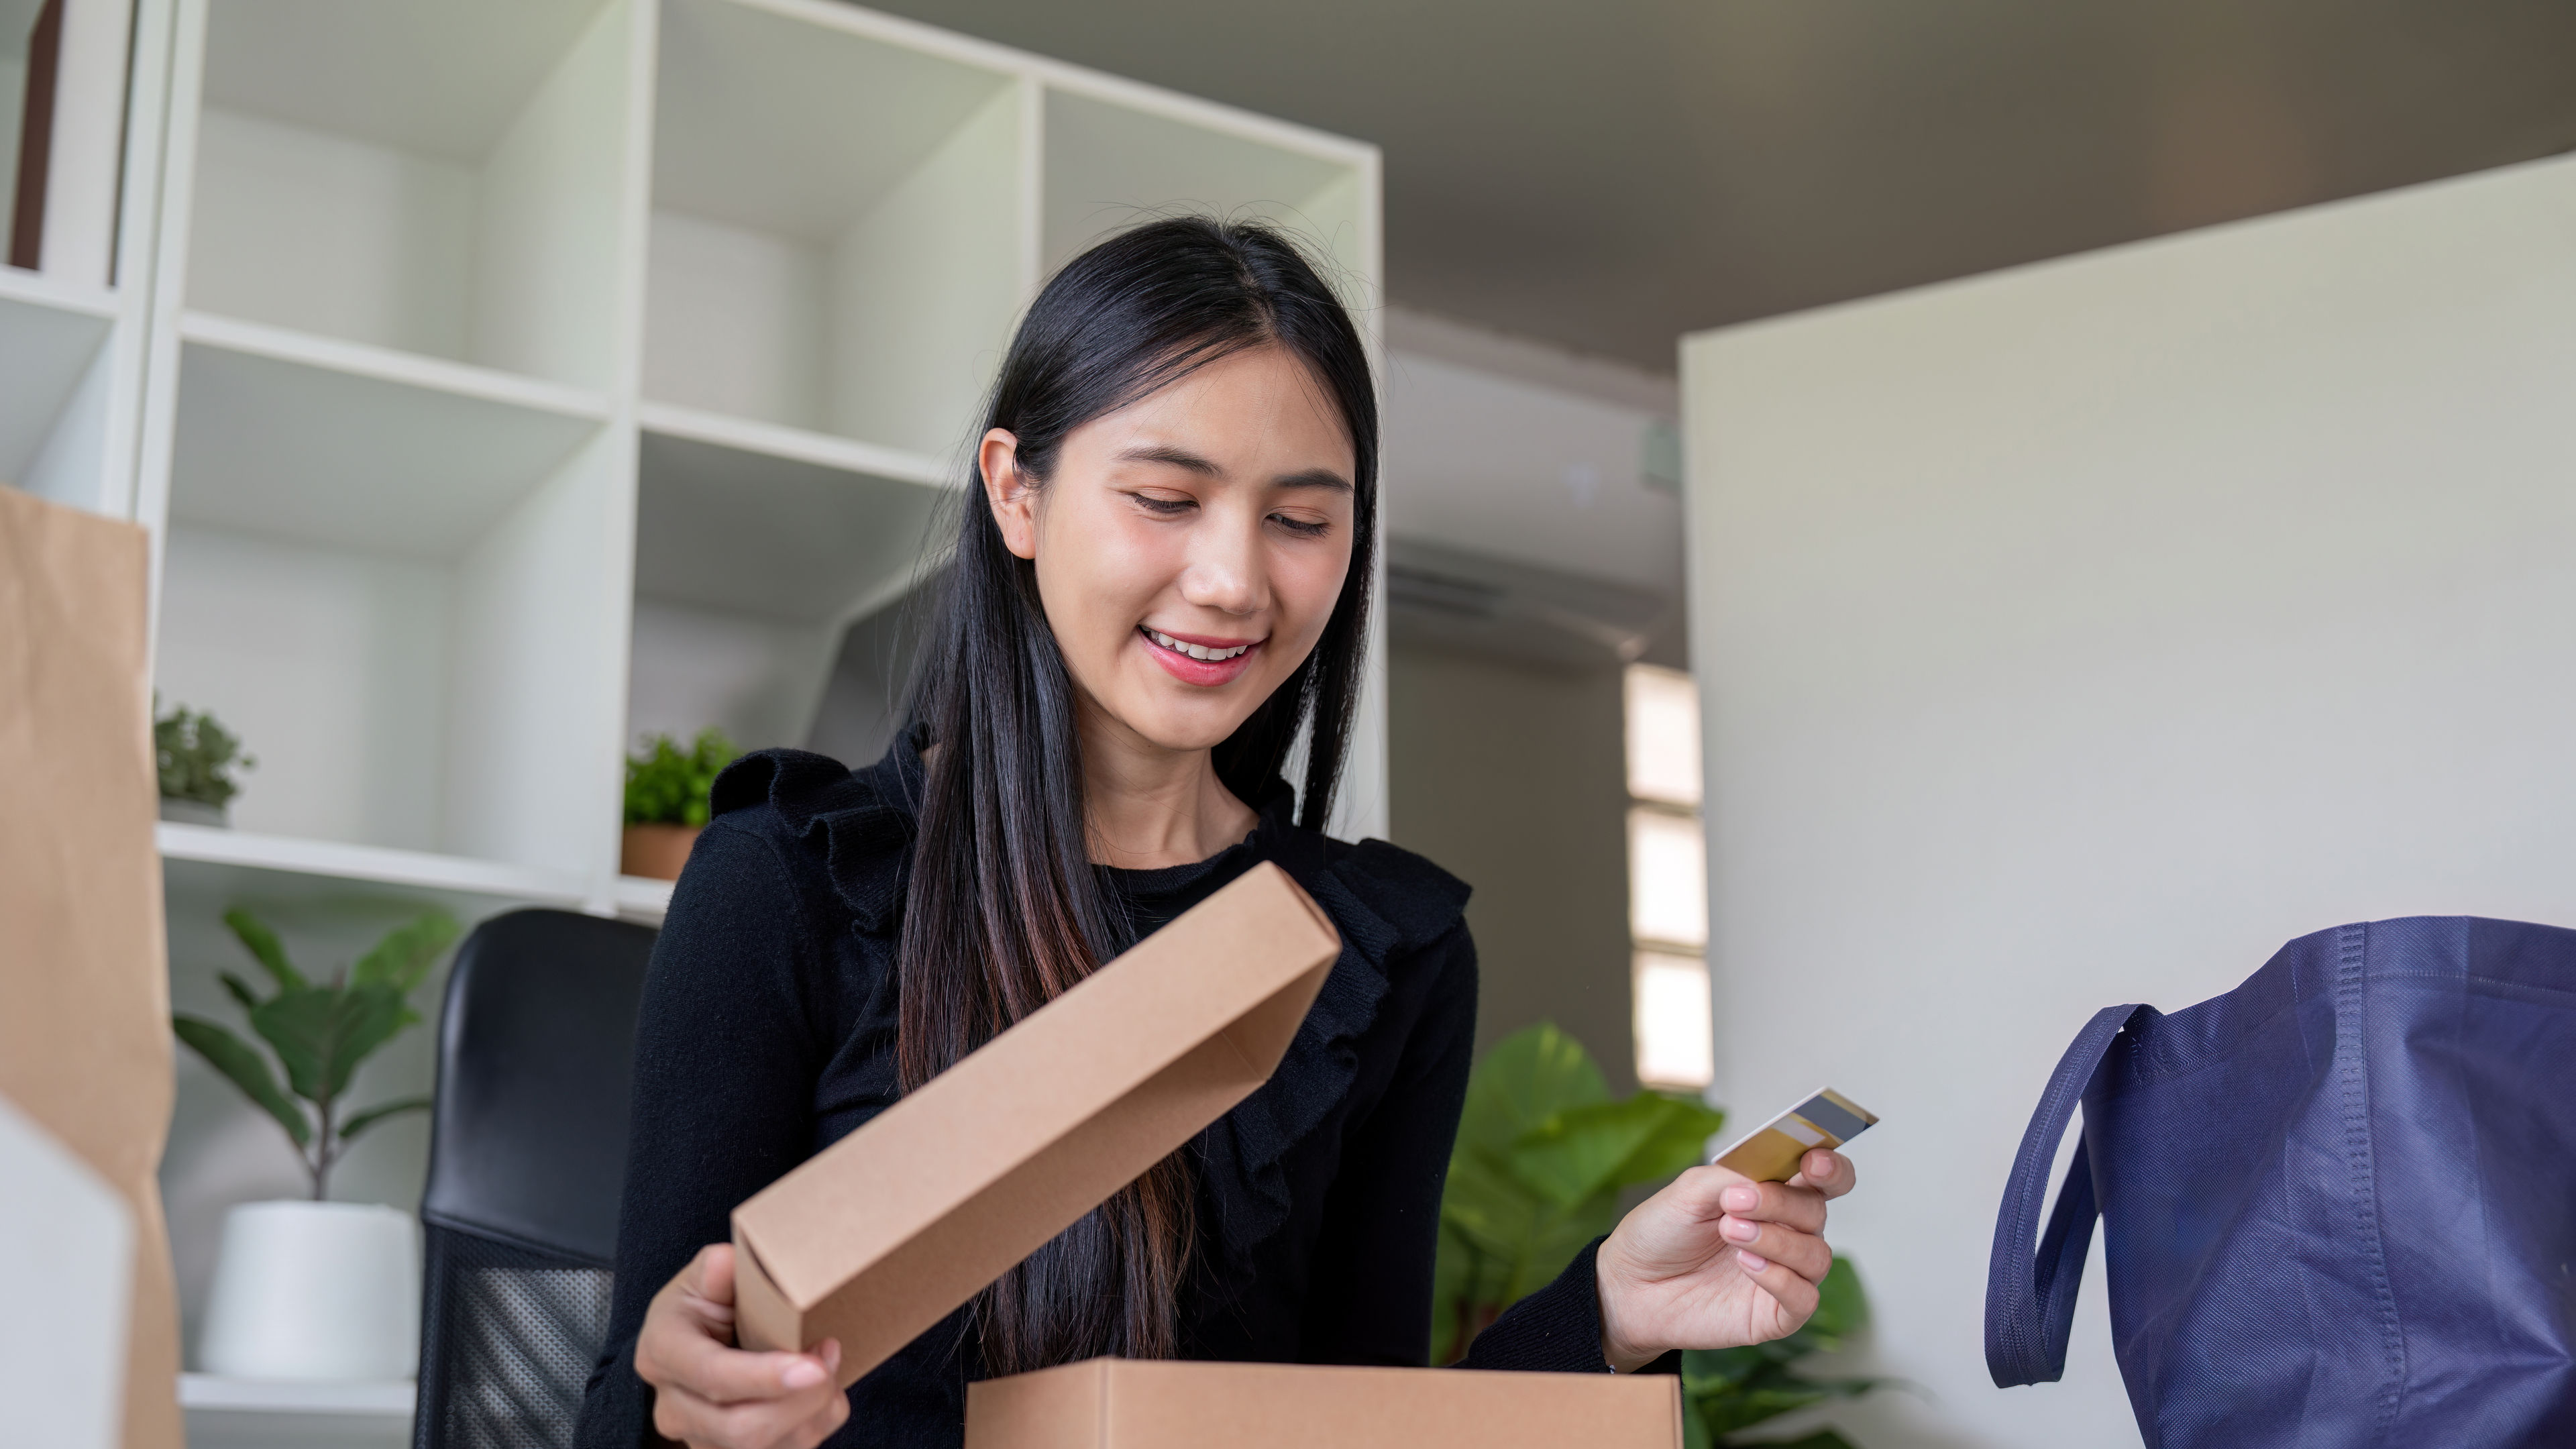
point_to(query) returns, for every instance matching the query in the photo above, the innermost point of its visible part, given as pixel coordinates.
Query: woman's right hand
(709, 1394)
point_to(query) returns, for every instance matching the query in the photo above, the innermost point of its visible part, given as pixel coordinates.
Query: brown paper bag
(84, 991)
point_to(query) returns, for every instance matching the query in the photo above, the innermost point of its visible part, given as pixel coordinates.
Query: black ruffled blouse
(768, 1032)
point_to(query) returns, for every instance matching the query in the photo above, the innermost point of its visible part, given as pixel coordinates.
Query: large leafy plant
(667, 785)
(320, 1032)
(1543, 1152)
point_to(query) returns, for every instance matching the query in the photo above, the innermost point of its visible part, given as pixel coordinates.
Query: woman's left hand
(1716, 1261)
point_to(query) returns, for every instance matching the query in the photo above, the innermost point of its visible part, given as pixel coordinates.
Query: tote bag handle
(2030, 1297)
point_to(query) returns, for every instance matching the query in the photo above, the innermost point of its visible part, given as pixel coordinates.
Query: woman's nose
(1224, 570)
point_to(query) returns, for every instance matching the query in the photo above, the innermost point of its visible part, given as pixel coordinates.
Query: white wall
(2078, 634)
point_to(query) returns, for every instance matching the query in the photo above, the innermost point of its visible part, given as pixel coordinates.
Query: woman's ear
(1013, 501)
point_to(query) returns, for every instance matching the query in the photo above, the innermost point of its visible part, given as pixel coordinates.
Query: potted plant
(197, 756)
(315, 1289)
(666, 801)
(1543, 1152)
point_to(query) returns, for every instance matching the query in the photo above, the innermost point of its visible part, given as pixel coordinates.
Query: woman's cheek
(1308, 583)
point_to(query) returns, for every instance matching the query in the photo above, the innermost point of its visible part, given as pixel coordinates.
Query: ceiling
(1610, 174)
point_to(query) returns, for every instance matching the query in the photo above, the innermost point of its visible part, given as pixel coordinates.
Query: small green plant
(197, 756)
(320, 1033)
(666, 785)
(1543, 1151)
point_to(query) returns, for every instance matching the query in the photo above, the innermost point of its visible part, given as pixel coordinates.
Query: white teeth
(1195, 651)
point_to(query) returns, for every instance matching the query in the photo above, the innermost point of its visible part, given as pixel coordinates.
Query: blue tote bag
(2338, 1203)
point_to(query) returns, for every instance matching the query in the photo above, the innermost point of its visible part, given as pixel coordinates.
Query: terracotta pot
(657, 851)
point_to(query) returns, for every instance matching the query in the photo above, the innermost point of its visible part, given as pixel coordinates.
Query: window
(1667, 881)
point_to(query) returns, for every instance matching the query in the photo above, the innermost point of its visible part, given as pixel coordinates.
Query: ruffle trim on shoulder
(1386, 902)
(851, 819)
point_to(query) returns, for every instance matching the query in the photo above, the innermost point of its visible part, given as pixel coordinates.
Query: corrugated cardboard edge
(85, 1044)
(1057, 1408)
(1109, 1403)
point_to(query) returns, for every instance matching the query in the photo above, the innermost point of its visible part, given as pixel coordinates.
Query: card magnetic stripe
(1832, 1118)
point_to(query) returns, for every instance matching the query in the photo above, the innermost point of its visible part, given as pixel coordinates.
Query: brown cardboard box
(1109, 1403)
(84, 992)
(884, 1233)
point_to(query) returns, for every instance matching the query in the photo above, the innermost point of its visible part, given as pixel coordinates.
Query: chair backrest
(527, 1159)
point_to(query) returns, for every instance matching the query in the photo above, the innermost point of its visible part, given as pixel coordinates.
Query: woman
(1163, 578)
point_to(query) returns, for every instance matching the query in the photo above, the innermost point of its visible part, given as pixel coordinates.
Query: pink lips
(1204, 672)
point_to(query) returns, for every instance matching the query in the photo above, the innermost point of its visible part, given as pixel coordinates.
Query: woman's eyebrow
(1175, 457)
(1313, 478)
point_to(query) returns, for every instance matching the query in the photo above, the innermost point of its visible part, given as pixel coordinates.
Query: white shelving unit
(503, 379)
(527, 375)
(72, 349)
(255, 1414)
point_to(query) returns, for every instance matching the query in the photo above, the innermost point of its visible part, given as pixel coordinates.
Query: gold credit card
(1771, 1152)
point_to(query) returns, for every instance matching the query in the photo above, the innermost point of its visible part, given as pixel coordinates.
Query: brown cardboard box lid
(1109, 1403)
(881, 1235)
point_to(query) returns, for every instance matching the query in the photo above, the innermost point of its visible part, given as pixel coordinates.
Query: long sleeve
(726, 1058)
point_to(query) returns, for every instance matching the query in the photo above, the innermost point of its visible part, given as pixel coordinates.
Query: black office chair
(527, 1157)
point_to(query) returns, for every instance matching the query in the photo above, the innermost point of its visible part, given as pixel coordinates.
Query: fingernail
(805, 1373)
(831, 1352)
(1753, 1262)
(1738, 1198)
(1738, 1230)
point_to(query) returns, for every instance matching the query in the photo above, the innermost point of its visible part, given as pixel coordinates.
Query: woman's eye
(1302, 527)
(1164, 506)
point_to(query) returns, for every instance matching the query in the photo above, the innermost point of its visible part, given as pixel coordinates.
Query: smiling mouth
(1194, 651)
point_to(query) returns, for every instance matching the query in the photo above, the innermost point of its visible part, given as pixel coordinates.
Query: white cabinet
(525, 375)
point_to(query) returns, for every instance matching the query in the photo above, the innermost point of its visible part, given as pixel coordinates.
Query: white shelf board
(17, 284)
(801, 445)
(47, 345)
(640, 898)
(1111, 164)
(442, 79)
(389, 1397)
(350, 446)
(268, 1414)
(773, 533)
(207, 845)
(385, 364)
(756, 112)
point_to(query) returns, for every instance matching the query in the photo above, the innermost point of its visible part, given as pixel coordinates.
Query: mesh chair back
(527, 1158)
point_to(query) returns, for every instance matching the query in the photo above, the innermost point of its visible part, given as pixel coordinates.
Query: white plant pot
(314, 1290)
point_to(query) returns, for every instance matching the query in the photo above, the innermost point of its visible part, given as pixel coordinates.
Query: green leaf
(1582, 1152)
(405, 955)
(1724, 1414)
(1841, 1309)
(262, 944)
(1676, 1146)
(1524, 1079)
(246, 1068)
(321, 1033)
(373, 1115)
(239, 989)
(668, 786)
(1821, 1439)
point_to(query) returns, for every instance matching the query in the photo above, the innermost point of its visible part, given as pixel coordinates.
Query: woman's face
(1190, 546)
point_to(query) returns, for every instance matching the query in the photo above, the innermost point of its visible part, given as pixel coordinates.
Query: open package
(883, 1234)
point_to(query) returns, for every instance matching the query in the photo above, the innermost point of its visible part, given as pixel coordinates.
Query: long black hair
(1005, 909)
